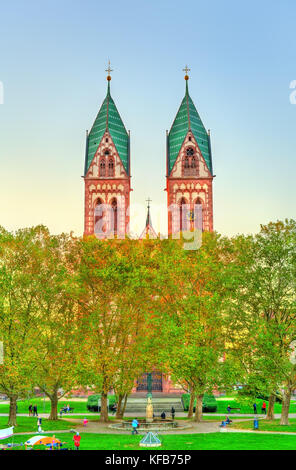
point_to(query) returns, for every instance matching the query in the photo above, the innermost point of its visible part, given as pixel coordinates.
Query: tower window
(111, 167)
(107, 140)
(190, 163)
(106, 152)
(102, 168)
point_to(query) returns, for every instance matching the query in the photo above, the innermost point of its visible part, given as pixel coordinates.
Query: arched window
(183, 220)
(114, 215)
(111, 167)
(198, 214)
(106, 152)
(190, 163)
(99, 227)
(102, 168)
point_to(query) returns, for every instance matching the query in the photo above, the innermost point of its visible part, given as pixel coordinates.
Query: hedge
(92, 402)
(209, 403)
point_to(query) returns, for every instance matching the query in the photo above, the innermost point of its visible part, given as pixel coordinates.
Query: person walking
(263, 409)
(35, 412)
(173, 411)
(30, 410)
(39, 425)
(135, 425)
(255, 408)
(77, 439)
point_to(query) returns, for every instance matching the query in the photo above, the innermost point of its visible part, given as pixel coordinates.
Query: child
(76, 440)
(85, 421)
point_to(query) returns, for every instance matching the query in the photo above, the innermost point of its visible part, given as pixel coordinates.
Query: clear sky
(53, 56)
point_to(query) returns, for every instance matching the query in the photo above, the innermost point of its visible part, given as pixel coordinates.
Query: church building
(189, 178)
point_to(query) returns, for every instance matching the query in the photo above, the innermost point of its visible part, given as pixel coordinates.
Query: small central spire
(148, 221)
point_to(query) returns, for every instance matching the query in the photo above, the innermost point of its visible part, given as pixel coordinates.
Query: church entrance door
(142, 383)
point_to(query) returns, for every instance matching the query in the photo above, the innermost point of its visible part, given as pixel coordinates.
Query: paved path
(178, 415)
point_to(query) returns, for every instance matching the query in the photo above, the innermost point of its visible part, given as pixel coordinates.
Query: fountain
(150, 423)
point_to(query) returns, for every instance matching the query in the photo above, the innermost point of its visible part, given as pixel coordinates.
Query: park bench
(64, 410)
(235, 409)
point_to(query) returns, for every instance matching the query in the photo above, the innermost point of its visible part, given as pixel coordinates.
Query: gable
(202, 168)
(106, 144)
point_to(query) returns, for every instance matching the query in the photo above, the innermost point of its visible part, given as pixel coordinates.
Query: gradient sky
(53, 56)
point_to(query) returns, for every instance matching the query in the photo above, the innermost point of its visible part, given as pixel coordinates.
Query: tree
(264, 310)
(19, 263)
(109, 292)
(59, 335)
(192, 287)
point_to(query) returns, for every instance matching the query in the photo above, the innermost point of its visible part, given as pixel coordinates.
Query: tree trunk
(285, 408)
(12, 410)
(198, 409)
(53, 406)
(270, 410)
(191, 405)
(104, 409)
(124, 405)
(119, 404)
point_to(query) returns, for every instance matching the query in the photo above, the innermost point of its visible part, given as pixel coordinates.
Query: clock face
(190, 152)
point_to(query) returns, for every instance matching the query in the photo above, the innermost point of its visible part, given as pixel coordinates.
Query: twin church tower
(107, 172)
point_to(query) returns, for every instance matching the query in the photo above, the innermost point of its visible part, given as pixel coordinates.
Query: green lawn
(25, 424)
(215, 441)
(246, 407)
(44, 406)
(265, 425)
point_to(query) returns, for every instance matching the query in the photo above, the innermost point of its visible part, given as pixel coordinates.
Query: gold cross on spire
(186, 70)
(109, 70)
(148, 200)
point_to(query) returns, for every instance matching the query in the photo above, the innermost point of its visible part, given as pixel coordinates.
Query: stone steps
(159, 404)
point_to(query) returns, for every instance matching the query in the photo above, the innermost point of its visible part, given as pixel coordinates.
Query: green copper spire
(188, 119)
(108, 118)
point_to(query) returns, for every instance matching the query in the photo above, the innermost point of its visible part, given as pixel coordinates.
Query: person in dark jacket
(35, 412)
(173, 412)
(255, 408)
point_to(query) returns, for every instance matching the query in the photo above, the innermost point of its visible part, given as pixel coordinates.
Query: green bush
(209, 403)
(92, 402)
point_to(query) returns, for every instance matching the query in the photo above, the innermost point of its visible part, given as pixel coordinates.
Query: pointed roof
(108, 118)
(188, 119)
(148, 231)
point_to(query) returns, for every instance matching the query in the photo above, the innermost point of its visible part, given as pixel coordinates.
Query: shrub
(92, 402)
(209, 403)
